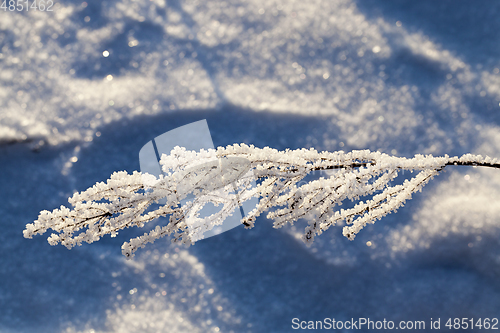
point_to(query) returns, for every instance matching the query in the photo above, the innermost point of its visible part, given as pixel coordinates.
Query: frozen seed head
(123, 200)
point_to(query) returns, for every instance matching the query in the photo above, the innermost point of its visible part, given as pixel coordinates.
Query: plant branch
(214, 176)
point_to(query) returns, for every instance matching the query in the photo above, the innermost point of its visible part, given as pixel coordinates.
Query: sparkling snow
(84, 87)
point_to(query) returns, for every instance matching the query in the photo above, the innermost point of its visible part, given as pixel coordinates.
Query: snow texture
(84, 87)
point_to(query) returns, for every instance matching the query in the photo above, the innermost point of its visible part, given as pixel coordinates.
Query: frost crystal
(122, 201)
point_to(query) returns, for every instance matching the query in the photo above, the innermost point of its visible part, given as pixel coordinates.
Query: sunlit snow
(84, 87)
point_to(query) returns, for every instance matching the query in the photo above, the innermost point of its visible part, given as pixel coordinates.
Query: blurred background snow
(84, 87)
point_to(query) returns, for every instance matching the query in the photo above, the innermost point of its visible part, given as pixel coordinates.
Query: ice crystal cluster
(225, 177)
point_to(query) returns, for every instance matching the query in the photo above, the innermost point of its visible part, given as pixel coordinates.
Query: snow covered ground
(84, 87)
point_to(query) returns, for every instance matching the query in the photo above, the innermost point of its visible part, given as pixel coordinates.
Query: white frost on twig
(122, 201)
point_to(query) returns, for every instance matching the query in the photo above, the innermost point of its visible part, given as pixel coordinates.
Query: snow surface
(84, 87)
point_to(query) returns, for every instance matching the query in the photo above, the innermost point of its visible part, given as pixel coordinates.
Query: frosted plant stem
(121, 202)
